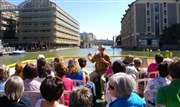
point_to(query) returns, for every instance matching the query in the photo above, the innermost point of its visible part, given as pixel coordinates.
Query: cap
(40, 56)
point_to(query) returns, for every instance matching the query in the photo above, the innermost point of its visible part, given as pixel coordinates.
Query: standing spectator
(121, 88)
(4, 74)
(51, 90)
(14, 89)
(155, 83)
(60, 71)
(81, 97)
(153, 66)
(30, 73)
(169, 96)
(102, 61)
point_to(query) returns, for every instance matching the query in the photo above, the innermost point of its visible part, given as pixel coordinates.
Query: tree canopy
(171, 35)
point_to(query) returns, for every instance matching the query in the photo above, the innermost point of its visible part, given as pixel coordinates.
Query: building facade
(43, 24)
(145, 20)
(8, 21)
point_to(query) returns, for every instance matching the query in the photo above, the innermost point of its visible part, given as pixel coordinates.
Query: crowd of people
(117, 82)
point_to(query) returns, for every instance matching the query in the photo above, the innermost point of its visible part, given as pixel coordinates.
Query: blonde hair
(14, 88)
(4, 73)
(73, 66)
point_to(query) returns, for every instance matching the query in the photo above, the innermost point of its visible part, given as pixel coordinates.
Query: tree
(171, 35)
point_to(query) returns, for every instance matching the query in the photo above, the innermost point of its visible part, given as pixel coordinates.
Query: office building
(145, 20)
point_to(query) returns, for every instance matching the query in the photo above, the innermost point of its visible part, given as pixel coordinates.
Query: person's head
(121, 85)
(101, 48)
(30, 71)
(52, 88)
(14, 88)
(174, 69)
(137, 62)
(118, 66)
(163, 69)
(128, 60)
(4, 73)
(159, 58)
(60, 70)
(58, 60)
(81, 97)
(82, 62)
(40, 56)
(18, 68)
(73, 66)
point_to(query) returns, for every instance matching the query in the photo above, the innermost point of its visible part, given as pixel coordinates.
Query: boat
(17, 52)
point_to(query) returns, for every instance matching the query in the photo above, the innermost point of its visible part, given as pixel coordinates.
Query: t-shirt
(169, 95)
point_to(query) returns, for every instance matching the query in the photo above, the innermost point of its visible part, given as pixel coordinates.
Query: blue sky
(100, 17)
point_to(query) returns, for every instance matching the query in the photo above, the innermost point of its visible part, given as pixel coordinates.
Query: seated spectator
(4, 74)
(51, 90)
(121, 88)
(117, 67)
(138, 65)
(14, 89)
(153, 66)
(30, 73)
(169, 95)
(75, 72)
(155, 83)
(19, 69)
(82, 64)
(130, 69)
(81, 97)
(60, 71)
(43, 68)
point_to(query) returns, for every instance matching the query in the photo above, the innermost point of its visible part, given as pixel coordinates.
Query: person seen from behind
(169, 95)
(14, 89)
(4, 75)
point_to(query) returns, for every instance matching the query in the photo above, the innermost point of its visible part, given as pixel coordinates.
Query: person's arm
(89, 57)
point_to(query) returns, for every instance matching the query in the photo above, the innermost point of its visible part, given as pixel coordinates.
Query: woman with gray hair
(14, 89)
(121, 88)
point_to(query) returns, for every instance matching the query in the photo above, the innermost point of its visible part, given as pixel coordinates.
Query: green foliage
(171, 35)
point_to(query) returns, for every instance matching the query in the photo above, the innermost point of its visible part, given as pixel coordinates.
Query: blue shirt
(78, 76)
(132, 101)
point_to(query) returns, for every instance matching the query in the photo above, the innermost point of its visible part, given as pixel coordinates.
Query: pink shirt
(68, 83)
(152, 67)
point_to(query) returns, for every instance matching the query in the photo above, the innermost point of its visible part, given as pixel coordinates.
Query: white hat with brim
(41, 56)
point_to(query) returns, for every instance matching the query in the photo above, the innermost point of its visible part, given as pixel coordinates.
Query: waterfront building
(43, 23)
(87, 39)
(8, 21)
(144, 21)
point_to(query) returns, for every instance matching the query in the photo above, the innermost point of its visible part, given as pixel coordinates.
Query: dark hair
(30, 71)
(82, 62)
(52, 88)
(174, 69)
(159, 58)
(118, 66)
(60, 69)
(163, 69)
(43, 68)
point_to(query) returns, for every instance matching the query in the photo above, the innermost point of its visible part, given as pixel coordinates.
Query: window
(147, 12)
(165, 12)
(148, 28)
(165, 27)
(165, 4)
(148, 20)
(165, 20)
(147, 5)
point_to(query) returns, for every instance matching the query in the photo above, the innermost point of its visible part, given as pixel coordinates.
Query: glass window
(148, 20)
(165, 12)
(148, 12)
(147, 5)
(165, 4)
(165, 20)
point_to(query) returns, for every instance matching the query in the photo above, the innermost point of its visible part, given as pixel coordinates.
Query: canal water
(9, 59)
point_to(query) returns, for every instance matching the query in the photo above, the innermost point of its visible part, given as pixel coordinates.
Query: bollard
(171, 54)
(167, 53)
(158, 51)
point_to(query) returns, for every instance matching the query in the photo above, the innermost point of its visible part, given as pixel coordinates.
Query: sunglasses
(111, 87)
